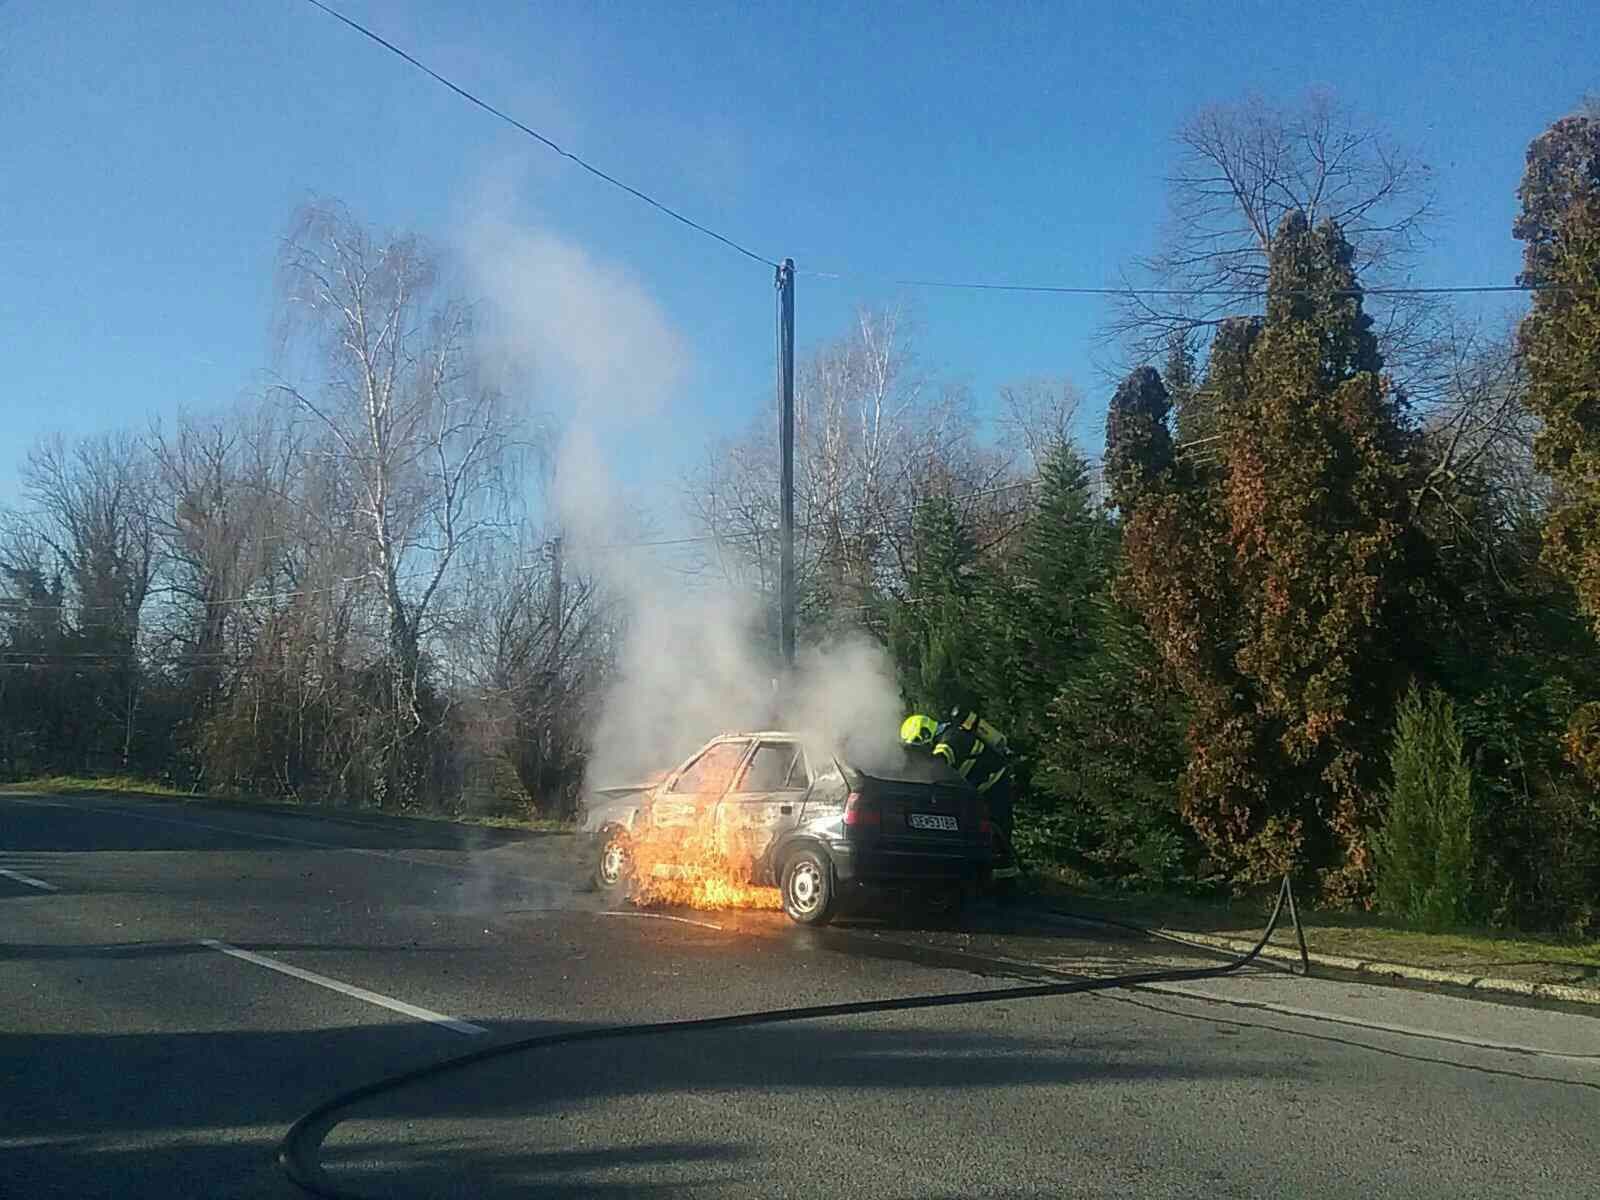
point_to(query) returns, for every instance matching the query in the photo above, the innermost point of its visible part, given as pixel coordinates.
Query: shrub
(1423, 852)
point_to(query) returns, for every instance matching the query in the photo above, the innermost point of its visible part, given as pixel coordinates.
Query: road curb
(1566, 992)
(1569, 993)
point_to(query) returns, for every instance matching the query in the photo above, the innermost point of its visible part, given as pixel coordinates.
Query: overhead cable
(539, 137)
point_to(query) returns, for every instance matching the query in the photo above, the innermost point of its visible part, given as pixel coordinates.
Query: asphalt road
(179, 982)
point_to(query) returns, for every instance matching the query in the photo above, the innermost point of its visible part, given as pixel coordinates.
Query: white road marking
(347, 989)
(660, 917)
(30, 880)
(1313, 1014)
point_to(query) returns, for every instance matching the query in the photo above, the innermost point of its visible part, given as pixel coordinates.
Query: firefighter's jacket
(977, 750)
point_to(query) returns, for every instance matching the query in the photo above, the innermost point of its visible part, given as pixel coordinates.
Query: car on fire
(781, 811)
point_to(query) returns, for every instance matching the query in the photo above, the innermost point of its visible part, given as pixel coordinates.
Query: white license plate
(932, 821)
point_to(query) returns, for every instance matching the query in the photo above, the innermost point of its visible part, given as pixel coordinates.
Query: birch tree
(395, 402)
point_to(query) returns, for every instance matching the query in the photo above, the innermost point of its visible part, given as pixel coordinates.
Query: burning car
(761, 810)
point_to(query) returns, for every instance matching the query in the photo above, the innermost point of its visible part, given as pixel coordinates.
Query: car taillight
(986, 827)
(861, 812)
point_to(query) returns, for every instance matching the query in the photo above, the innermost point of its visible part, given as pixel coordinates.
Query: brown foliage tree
(1560, 340)
(1560, 345)
(1268, 567)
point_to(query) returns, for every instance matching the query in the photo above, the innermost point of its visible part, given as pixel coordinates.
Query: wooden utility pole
(555, 594)
(786, 598)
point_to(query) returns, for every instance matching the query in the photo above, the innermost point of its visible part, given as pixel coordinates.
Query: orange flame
(688, 869)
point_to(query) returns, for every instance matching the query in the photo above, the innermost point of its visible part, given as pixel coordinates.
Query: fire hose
(297, 1153)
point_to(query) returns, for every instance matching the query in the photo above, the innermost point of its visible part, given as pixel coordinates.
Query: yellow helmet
(918, 730)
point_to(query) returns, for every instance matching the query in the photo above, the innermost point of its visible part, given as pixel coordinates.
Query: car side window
(711, 773)
(776, 767)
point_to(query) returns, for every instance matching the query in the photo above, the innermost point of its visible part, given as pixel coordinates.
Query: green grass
(497, 821)
(1498, 952)
(1462, 949)
(56, 785)
(60, 784)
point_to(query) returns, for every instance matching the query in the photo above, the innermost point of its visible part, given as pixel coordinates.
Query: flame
(688, 869)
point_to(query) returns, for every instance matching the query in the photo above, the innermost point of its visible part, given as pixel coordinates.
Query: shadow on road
(183, 1112)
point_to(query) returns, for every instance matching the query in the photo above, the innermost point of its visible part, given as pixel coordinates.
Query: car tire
(807, 887)
(613, 866)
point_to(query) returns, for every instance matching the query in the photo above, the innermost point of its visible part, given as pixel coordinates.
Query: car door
(690, 797)
(766, 799)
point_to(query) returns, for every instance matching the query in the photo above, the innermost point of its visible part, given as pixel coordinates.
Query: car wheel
(807, 888)
(614, 865)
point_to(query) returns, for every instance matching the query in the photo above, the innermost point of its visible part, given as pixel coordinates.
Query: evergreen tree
(934, 632)
(1194, 415)
(1105, 786)
(1424, 851)
(1560, 339)
(1040, 616)
(1560, 343)
(1270, 577)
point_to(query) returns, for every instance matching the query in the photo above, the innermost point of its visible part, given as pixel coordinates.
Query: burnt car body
(804, 819)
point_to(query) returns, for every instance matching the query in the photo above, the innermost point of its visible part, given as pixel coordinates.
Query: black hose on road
(298, 1152)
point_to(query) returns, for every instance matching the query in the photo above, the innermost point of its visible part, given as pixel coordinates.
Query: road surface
(179, 982)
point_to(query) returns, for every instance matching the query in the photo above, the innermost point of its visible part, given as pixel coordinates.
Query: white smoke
(588, 330)
(697, 657)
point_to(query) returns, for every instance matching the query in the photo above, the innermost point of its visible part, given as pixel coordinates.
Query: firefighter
(979, 753)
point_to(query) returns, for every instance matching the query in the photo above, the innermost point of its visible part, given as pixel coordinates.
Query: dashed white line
(347, 989)
(30, 881)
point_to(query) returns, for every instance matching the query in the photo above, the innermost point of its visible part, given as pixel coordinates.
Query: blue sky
(151, 155)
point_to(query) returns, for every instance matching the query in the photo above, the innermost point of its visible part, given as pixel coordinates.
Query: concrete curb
(1570, 993)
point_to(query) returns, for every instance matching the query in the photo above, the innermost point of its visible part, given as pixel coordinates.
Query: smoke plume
(696, 656)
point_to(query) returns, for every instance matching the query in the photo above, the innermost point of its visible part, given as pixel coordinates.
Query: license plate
(932, 821)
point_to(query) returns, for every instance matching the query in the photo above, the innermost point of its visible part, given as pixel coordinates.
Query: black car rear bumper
(872, 865)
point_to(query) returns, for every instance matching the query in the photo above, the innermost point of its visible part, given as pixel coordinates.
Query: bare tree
(1240, 169)
(874, 436)
(1478, 438)
(1037, 415)
(418, 439)
(529, 671)
(218, 512)
(89, 509)
(860, 414)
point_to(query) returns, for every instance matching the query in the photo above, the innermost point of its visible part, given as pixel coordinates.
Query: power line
(943, 284)
(539, 137)
(940, 284)
(1185, 293)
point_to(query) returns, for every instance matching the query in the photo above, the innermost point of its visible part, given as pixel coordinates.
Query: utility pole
(786, 599)
(555, 594)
